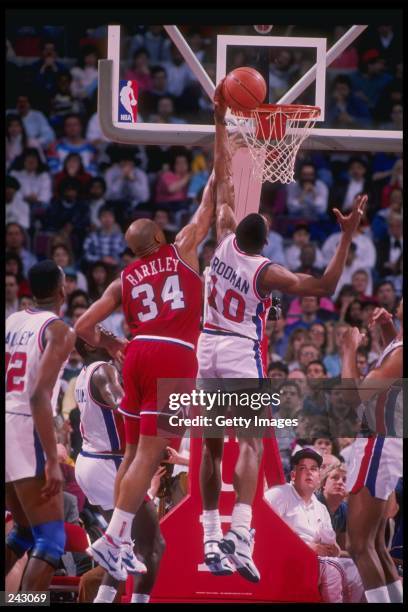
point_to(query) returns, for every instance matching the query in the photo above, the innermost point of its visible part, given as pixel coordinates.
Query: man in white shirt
(301, 237)
(17, 210)
(35, 122)
(297, 505)
(308, 196)
(366, 253)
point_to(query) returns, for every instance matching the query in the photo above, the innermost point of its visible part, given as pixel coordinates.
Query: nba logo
(128, 92)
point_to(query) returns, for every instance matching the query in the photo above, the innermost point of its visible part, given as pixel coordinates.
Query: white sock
(120, 525)
(395, 591)
(378, 595)
(241, 518)
(140, 598)
(212, 525)
(106, 594)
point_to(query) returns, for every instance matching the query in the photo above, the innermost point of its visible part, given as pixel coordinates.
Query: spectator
(62, 256)
(318, 336)
(73, 366)
(346, 61)
(300, 378)
(333, 495)
(68, 472)
(14, 265)
(390, 249)
(105, 244)
(353, 314)
(371, 79)
(36, 124)
(393, 203)
(289, 408)
(63, 103)
(396, 277)
(386, 42)
(72, 141)
(99, 277)
(345, 109)
(172, 185)
(156, 43)
(179, 74)
(309, 306)
(148, 100)
(324, 446)
(362, 284)
(308, 196)
(16, 140)
(47, 69)
(346, 295)
(296, 339)
(308, 261)
(281, 74)
(273, 250)
(207, 252)
(162, 218)
(11, 294)
(395, 119)
(297, 505)
(96, 199)
(278, 370)
(77, 299)
(25, 302)
(17, 211)
(139, 70)
(362, 362)
(85, 74)
(386, 296)
(165, 112)
(357, 182)
(308, 352)
(125, 182)
(300, 238)
(73, 167)
(390, 95)
(35, 181)
(15, 240)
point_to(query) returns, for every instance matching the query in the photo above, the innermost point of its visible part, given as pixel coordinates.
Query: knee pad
(49, 542)
(20, 540)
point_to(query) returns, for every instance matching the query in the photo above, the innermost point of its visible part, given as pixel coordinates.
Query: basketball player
(161, 295)
(239, 298)
(375, 462)
(38, 344)
(98, 393)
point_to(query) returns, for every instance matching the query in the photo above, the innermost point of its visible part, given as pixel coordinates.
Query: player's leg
(46, 519)
(392, 580)
(20, 539)
(364, 517)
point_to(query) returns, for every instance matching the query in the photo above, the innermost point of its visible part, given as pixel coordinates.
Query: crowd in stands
(70, 195)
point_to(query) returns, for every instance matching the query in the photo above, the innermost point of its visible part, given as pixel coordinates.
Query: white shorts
(222, 355)
(96, 475)
(375, 463)
(24, 454)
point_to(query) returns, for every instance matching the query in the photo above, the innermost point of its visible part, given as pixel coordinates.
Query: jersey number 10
(231, 299)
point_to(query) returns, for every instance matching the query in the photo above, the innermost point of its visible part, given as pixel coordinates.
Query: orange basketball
(244, 89)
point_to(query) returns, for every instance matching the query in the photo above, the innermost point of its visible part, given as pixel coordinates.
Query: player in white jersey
(38, 344)
(98, 392)
(375, 462)
(238, 298)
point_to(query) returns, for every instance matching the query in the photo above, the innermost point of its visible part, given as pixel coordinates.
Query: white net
(274, 135)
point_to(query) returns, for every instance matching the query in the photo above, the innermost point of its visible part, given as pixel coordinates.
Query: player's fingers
(338, 214)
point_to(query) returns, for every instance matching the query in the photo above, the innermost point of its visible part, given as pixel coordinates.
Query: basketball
(244, 89)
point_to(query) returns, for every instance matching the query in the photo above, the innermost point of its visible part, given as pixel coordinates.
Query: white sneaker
(130, 560)
(109, 556)
(239, 551)
(215, 559)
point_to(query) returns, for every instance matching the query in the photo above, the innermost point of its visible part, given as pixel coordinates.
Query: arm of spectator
(176, 458)
(47, 134)
(174, 186)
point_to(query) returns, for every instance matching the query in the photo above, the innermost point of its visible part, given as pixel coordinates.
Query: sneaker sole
(103, 563)
(224, 572)
(228, 548)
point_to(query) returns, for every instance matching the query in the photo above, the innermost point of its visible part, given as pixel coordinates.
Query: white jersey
(102, 429)
(24, 347)
(233, 303)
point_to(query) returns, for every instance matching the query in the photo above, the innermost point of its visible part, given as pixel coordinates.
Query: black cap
(306, 453)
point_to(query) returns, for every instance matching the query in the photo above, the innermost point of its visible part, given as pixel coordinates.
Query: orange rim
(300, 111)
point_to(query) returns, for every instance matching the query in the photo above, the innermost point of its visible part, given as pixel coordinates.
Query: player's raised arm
(87, 325)
(276, 277)
(106, 387)
(60, 340)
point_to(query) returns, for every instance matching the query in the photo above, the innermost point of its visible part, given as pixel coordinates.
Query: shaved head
(144, 236)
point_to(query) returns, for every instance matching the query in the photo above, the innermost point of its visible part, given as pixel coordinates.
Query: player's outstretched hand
(352, 338)
(379, 316)
(349, 223)
(53, 478)
(220, 107)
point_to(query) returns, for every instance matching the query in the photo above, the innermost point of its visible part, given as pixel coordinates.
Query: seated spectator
(68, 214)
(362, 362)
(316, 403)
(390, 249)
(390, 95)
(273, 250)
(371, 343)
(396, 277)
(394, 205)
(99, 277)
(386, 296)
(25, 302)
(353, 314)
(96, 199)
(47, 70)
(17, 141)
(344, 108)
(308, 352)
(362, 284)
(72, 141)
(12, 304)
(369, 82)
(63, 257)
(300, 238)
(162, 219)
(207, 252)
(14, 265)
(347, 61)
(17, 210)
(309, 307)
(300, 378)
(344, 191)
(296, 339)
(107, 243)
(324, 446)
(326, 311)
(35, 122)
(333, 495)
(289, 408)
(73, 366)
(35, 181)
(395, 119)
(125, 182)
(352, 264)
(179, 74)
(15, 241)
(297, 505)
(165, 112)
(172, 185)
(318, 336)
(308, 196)
(63, 103)
(148, 100)
(85, 74)
(387, 41)
(281, 73)
(278, 370)
(308, 261)
(346, 295)
(156, 43)
(139, 70)
(77, 299)
(73, 167)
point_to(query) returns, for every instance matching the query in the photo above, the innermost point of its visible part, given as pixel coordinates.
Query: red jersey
(162, 296)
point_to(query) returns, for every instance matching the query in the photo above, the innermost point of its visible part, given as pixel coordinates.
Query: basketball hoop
(273, 134)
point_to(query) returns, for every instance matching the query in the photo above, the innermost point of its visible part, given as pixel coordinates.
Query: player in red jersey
(161, 295)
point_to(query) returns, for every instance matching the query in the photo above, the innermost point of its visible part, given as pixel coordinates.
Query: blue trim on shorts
(39, 455)
(117, 459)
(371, 478)
(111, 429)
(215, 332)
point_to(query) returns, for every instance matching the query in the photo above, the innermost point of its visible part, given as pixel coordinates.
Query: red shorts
(147, 361)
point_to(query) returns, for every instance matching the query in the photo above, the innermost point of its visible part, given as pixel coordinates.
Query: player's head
(252, 233)
(144, 236)
(90, 353)
(47, 283)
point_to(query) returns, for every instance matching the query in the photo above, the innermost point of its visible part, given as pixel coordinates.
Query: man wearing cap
(297, 505)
